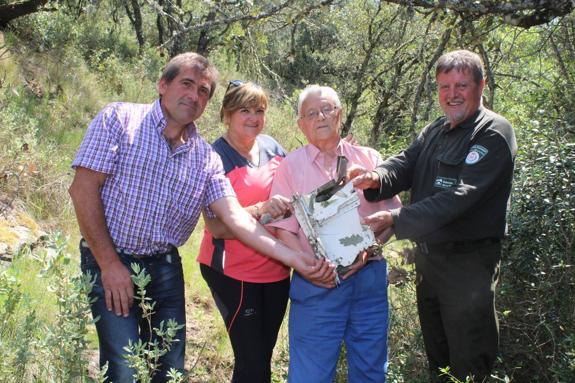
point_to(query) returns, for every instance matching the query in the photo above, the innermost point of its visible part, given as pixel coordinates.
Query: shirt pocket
(448, 171)
(188, 193)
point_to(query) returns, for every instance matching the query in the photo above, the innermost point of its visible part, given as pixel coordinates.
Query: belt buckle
(137, 257)
(167, 256)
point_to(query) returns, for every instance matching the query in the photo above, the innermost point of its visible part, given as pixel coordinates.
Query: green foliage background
(59, 67)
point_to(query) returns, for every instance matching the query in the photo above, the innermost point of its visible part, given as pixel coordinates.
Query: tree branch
(424, 75)
(262, 15)
(9, 12)
(520, 13)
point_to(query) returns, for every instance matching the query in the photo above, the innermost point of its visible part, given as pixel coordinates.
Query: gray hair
(191, 60)
(317, 90)
(461, 60)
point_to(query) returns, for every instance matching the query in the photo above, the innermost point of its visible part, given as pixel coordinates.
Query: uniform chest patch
(476, 153)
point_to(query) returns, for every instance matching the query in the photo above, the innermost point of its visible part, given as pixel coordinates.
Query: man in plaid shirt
(143, 176)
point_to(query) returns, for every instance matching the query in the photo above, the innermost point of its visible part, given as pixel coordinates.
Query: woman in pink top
(250, 289)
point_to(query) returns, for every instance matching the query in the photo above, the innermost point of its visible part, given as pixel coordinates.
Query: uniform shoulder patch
(476, 153)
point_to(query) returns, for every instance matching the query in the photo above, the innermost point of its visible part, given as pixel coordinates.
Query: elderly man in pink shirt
(357, 311)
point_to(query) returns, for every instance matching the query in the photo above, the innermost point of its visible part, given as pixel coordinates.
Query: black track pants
(253, 314)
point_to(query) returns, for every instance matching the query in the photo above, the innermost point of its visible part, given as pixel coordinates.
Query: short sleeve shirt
(252, 184)
(153, 195)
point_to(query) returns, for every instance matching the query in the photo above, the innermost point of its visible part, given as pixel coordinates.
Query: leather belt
(166, 254)
(426, 247)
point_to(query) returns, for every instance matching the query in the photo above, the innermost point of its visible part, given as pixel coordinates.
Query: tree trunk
(138, 24)
(135, 16)
(204, 39)
(384, 114)
(374, 37)
(160, 24)
(358, 93)
(424, 77)
(490, 79)
(178, 43)
(10, 12)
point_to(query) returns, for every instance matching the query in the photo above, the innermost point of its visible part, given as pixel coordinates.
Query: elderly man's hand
(317, 271)
(357, 265)
(362, 178)
(378, 222)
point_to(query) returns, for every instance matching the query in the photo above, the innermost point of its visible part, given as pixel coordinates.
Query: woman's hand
(276, 206)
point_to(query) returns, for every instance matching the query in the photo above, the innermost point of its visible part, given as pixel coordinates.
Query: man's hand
(118, 288)
(378, 222)
(286, 250)
(116, 281)
(357, 265)
(362, 178)
(317, 271)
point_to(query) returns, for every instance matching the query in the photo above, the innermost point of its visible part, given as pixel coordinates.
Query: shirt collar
(314, 152)
(160, 122)
(470, 122)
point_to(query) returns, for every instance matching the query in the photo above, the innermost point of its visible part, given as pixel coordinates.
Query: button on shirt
(307, 168)
(152, 196)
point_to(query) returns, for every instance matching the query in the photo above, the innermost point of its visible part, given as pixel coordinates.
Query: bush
(35, 345)
(144, 356)
(538, 282)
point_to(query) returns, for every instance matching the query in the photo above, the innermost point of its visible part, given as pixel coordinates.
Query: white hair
(317, 90)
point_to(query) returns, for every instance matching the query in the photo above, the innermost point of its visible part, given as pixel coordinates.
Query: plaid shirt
(152, 196)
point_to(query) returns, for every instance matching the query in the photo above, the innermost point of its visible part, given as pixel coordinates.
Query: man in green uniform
(459, 172)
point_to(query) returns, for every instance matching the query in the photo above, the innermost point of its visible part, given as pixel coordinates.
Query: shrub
(36, 346)
(538, 281)
(144, 356)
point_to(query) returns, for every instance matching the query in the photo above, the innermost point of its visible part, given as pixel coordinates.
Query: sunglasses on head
(234, 84)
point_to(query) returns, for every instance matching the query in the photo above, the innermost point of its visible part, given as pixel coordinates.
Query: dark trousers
(253, 314)
(455, 300)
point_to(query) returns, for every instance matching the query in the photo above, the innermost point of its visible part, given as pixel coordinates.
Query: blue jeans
(114, 332)
(356, 312)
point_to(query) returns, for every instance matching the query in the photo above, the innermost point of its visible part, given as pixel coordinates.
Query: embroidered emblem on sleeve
(476, 153)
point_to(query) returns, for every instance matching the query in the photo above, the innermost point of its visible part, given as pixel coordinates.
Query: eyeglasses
(326, 110)
(233, 84)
